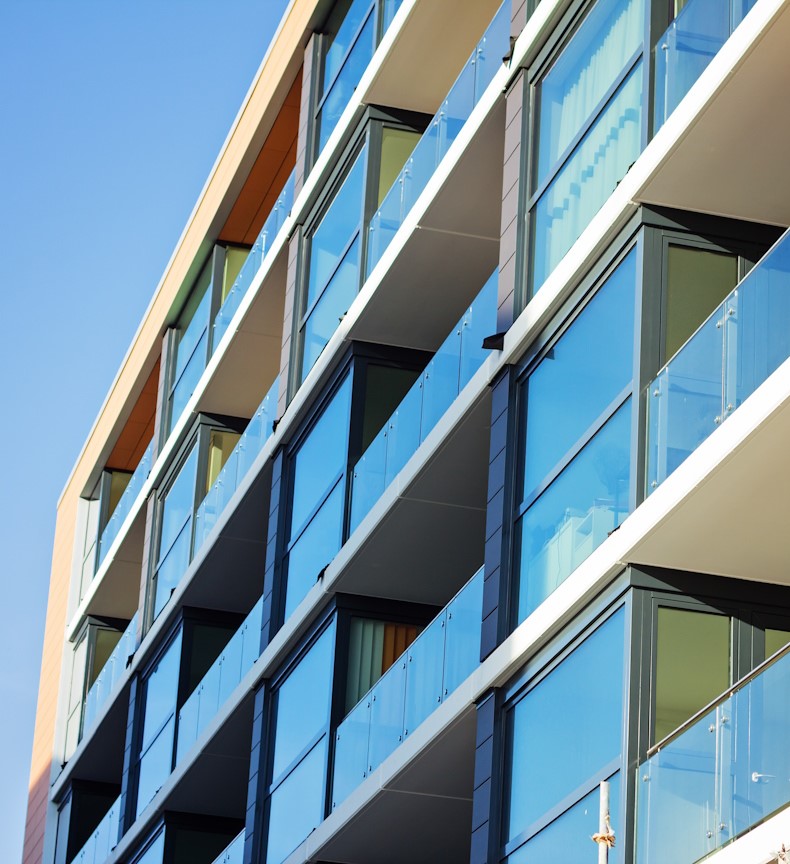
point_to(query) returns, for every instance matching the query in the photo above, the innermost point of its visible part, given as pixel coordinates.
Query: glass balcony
(257, 433)
(720, 774)
(112, 671)
(125, 502)
(432, 668)
(442, 131)
(263, 243)
(104, 838)
(731, 354)
(451, 368)
(690, 42)
(220, 681)
(234, 853)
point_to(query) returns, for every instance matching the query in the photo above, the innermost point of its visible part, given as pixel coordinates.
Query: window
(551, 799)
(575, 441)
(299, 749)
(587, 129)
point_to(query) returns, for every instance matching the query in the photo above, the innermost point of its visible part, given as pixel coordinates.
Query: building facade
(438, 511)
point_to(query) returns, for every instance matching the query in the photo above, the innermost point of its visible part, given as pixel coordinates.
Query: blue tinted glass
(303, 703)
(188, 381)
(587, 501)
(155, 765)
(195, 329)
(154, 854)
(317, 546)
(583, 73)
(321, 458)
(341, 221)
(178, 503)
(161, 691)
(563, 732)
(590, 175)
(341, 43)
(581, 375)
(297, 805)
(568, 837)
(171, 569)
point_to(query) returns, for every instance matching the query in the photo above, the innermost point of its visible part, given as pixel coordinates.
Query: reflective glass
(403, 434)
(479, 322)
(321, 458)
(440, 381)
(369, 478)
(303, 703)
(178, 503)
(587, 501)
(183, 391)
(581, 375)
(343, 39)
(351, 752)
(193, 328)
(161, 690)
(154, 854)
(387, 704)
(544, 769)
(297, 805)
(424, 673)
(462, 639)
(155, 765)
(170, 571)
(315, 548)
(588, 177)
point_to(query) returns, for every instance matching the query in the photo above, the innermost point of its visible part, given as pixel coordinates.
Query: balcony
(452, 367)
(435, 664)
(731, 354)
(234, 853)
(721, 773)
(103, 840)
(442, 131)
(690, 42)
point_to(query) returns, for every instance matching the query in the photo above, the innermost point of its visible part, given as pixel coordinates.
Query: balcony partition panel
(104, 838)
(731, 354)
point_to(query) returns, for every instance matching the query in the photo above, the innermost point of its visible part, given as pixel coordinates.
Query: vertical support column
(253, 822)
(288, 360)
(511, 256)
(485, 795)
(304, 141)
(497, 532)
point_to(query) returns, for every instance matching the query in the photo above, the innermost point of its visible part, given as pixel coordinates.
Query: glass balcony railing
(720, 774)
(442, 131)
(125, 502)
(690, 42)
(271, 228)
(112, 671)
(451, 368)
(257, 433)
(745, 339)
(436, 663)
(103, 840)
(234, 853)
(220, 681)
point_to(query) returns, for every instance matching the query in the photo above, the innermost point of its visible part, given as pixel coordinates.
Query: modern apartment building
(443, 491)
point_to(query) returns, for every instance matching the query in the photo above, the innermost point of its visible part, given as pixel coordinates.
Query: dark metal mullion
(352, 46)
(595, 115)
(341, 258)
(595, 427)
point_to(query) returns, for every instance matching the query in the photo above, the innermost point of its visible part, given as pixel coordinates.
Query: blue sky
(113, 113)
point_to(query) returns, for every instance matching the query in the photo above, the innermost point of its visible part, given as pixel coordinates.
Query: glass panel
(440, 382)
(697, 282)
(155, 766)
(183, 391)
(235, 258)
(403, 434)
(351, 752)
(581, 375)
(590, 175)
(297, 805)
(457, 107)
(369, 478)
(303, 703)
(170, 571)
(396, 147)
(161, 688)
(491, 49)
(178, 503)
(462, 640)
(572, 90)
(341, 41)
(365, 656)
(387, 702)
(119, 480)
(479, 322)
(315, 549)
(220, 446)
(154, 854)
(692, 665)
(424, 673)
(193, 321)
(110, 673)
(544, 770)
(774, 640)
(567, 838)
(321, 458)
(576, 513)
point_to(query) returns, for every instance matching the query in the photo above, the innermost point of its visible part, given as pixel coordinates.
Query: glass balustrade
(745, 339)
(435, 664)
(112, 671)
(125, 502)
(271, 228)
(451, 368)
(721, 774)
(442, 131)
(234, 853)
(688, 45)
(220, 681)
(257, 433)
(103, 840)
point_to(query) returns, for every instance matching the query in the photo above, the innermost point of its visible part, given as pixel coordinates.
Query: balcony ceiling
(733, 160)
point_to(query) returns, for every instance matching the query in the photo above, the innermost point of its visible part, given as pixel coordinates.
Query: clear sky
(113, 112)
